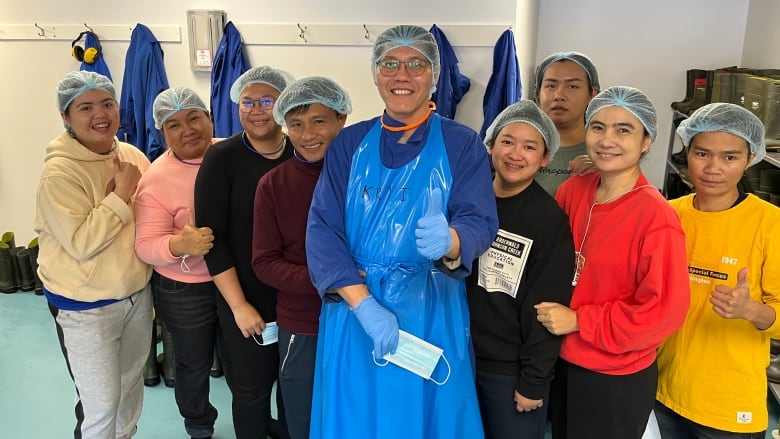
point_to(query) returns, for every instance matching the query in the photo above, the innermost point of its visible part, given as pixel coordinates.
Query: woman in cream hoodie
(97, 288)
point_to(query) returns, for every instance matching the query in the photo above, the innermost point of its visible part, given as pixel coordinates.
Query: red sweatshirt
(282, 205)
(633, 290)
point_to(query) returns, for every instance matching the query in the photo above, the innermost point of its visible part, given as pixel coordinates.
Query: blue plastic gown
(504, 87)
(144, 79)
(353, 397)
(99, 66)
(229, 63)
(452, 85)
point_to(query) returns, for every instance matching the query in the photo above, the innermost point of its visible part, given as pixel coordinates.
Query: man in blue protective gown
(403, 206)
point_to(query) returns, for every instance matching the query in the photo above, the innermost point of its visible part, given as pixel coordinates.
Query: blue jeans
(674, 426)
(297, 353)
(189, 313)
(500, 417)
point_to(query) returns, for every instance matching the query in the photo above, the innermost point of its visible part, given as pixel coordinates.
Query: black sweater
(224, 200)
(508, 340)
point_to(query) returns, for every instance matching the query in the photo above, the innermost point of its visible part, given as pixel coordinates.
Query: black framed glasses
(246, 105)
(390, 67)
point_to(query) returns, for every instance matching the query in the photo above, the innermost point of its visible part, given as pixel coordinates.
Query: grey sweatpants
(106, 349)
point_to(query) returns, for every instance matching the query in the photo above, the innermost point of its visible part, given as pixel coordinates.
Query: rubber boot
(167, 360)
(7, 281)
(774, 346)
(15, 267)
(702, 92)
(688, 90)
(26, 276)
(151, 372)
(216, 365)
(773, 371)
(8, 238)
(32, 248)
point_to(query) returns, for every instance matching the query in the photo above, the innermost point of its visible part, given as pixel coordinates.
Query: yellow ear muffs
(90, 54)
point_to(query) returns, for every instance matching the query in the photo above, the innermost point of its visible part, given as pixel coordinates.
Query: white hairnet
(275, 78)
(529, 113)
(406, 35)
(581, 59)
(312, 90)
(633, 100)
(728, 118)
(75, 84)
(173, 100)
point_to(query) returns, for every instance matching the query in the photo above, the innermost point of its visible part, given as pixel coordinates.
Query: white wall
(31, 69)
(650, 45)
(762, 36)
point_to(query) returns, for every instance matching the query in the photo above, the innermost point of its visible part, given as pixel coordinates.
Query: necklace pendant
(579, 265)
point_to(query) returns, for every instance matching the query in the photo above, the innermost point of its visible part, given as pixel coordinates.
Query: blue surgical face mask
(270, 334)
(417, 356)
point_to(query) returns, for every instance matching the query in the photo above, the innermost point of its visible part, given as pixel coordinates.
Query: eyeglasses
(390, 67)
(246, 105)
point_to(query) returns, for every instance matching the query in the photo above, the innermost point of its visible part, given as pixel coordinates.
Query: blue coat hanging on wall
(144, 79)
(229, 63)
(99, 66)
(504, 87)
(452, 85)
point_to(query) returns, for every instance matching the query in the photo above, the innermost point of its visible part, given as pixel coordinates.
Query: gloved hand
(433, 233)
(380, 324)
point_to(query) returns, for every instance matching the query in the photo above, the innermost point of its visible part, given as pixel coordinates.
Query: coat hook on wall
(87, 26)
(302, 35)
(368, 34)
(41, 31)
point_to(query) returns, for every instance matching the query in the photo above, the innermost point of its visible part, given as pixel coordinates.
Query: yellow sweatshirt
(713, 370)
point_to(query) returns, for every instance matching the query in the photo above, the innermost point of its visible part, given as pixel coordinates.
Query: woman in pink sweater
(167, 239)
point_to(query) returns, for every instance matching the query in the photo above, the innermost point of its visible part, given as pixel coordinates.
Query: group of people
(400, 276)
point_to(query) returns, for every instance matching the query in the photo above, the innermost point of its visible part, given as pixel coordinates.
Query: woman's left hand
(558, 319)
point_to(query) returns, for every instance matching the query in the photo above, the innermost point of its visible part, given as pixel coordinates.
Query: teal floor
(36, 393)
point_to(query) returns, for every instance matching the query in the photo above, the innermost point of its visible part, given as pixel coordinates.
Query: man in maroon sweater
(314, 110)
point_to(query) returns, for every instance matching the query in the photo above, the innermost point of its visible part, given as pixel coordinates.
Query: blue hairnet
(312, 90)
(173, 100)
(633, 100)
(579, 58)
(529, 113)
(275, 78)
(406, 35)
(75, 84)
(728, 118)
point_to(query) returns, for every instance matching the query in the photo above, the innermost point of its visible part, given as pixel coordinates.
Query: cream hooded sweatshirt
(87, 233)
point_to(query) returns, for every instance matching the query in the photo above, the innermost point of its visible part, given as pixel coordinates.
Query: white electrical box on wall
(205, 27)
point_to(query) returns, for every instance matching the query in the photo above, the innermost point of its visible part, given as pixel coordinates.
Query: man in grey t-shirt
(565, 84)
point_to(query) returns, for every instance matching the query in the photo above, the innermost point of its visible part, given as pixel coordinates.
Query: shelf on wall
(45, 32)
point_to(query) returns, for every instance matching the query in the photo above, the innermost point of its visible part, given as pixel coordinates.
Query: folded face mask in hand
(270, 335)
(417, 356)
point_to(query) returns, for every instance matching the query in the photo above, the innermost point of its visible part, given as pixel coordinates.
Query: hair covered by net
(632, 100)
(581, 59)
(275, 78)
(173, 100)
(728, 118)
(312, 90)
(75, 84)
(526, 112)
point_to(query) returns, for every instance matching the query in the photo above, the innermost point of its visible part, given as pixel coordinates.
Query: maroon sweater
(282, 205)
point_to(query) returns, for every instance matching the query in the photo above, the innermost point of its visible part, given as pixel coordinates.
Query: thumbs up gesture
(192, 240)
(433, 233)
(734, 303)
(126, 176)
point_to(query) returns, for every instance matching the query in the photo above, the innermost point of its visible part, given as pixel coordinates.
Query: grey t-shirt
(557, 171)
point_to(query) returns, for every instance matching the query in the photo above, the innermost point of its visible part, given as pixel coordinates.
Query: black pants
(497, 406)
(189, 312)
(594, 405)
(250, 371)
